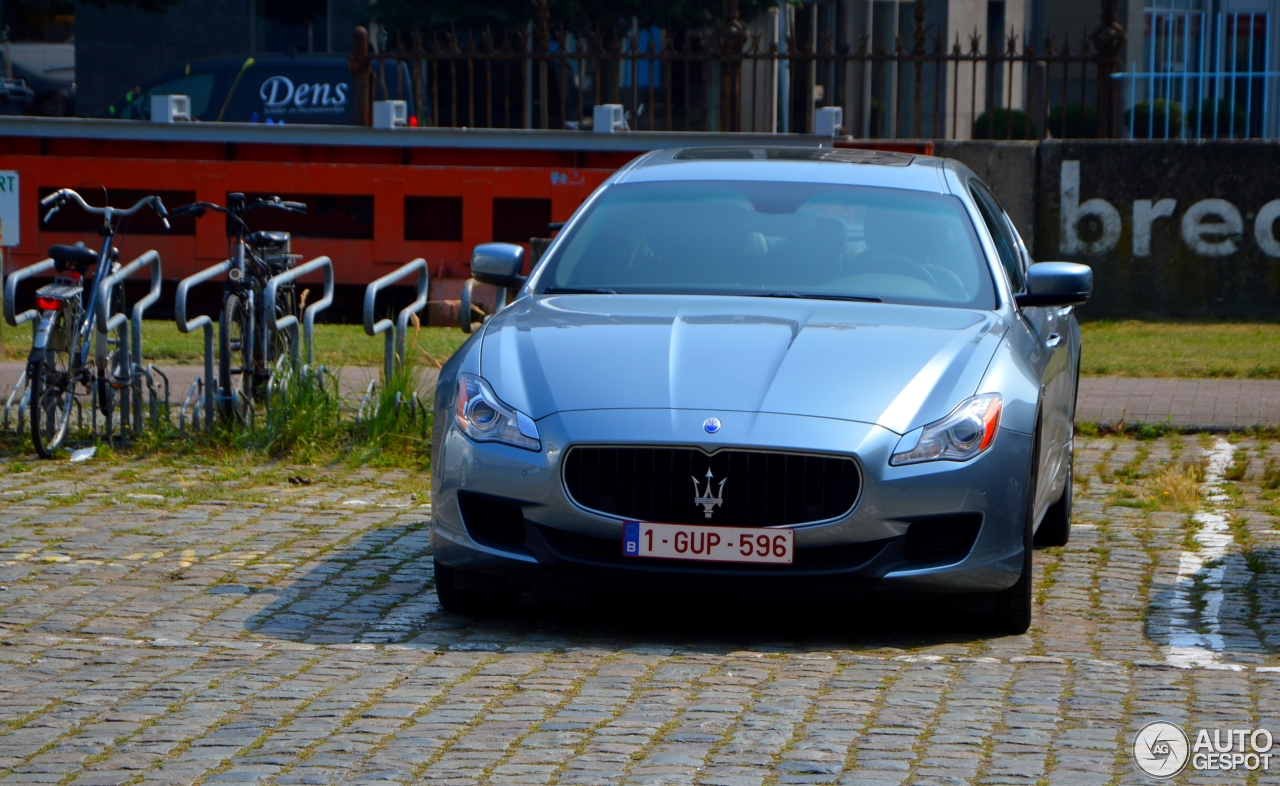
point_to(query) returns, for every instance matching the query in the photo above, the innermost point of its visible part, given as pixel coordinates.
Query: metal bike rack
(464, 309)
(360, 412)
(20, 396)
(401, 324)
(23, 396)
(203, 321)
(151, 373)
(194, 393)
(11, 291)
(132, 353)
(289, 322)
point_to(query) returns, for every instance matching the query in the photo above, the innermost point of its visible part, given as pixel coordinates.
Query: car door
(301, 90)
(1042, 342)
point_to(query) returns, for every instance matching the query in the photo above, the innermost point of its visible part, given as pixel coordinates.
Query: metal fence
(1203, 75)
(739, 78)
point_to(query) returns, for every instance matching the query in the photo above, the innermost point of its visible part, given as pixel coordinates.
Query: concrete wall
(1173, 229)
(1183, 229)
(1009, 168)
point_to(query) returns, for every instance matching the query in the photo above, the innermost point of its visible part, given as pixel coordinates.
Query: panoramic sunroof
(834, 155)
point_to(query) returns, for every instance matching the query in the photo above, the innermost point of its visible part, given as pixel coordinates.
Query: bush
(1005, 124)
(1231, 119)
(1073, 121)
(1159, 119)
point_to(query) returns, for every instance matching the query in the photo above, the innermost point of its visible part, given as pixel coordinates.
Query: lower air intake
(492, 520)
(946, 538)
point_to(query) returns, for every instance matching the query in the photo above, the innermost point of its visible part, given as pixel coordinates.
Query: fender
(43, 331)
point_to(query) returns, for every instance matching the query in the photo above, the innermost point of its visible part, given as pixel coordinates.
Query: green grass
(1180, 349)
(336, 345)
(1114, 349)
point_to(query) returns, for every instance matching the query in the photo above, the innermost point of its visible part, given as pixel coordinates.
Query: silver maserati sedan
(765, 365)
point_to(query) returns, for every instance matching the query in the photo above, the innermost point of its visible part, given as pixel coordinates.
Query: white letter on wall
(1195, 228)
(1262, 228)
(1073, 211)
(1144, 215)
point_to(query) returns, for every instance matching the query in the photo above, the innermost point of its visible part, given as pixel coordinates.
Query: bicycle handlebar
(198, 209)
(58, 198)
(278, 204)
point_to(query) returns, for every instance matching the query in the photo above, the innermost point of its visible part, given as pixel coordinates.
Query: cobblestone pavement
(161, 623)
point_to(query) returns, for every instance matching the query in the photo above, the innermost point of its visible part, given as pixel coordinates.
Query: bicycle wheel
(235, 353)
(107, 361)
(281, 342)
(52, 390)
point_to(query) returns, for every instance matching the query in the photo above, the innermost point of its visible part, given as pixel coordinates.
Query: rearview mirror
(1057, 284)
(498, 264)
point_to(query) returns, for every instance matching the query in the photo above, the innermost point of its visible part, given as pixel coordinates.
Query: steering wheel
(884, 262)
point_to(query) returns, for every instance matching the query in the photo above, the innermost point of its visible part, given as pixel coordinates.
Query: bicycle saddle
(265, 238)
(74, 255)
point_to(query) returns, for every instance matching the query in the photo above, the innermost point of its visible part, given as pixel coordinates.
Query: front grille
(492, 520)
(609, 550)
(761, 489)
(944, 538)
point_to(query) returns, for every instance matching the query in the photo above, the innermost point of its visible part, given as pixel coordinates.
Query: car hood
(895, 366)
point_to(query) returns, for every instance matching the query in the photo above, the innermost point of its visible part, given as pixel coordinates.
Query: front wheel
(281, 340)
(108, 362)
(235, 353)
(1055, 527)
(1012, 612)
(52, 390)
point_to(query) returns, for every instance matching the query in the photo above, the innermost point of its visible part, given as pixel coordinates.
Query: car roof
(313, 60)
(848, 166)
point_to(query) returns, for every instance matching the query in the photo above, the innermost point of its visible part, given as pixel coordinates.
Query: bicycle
(246, 357)
(58, 368)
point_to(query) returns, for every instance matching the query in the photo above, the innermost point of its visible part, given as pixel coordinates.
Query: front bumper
(864, 549)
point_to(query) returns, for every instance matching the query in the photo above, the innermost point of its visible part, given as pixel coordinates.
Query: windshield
(774, 239)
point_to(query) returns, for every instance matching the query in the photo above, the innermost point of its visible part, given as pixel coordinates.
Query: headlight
(484, 418)
(966, 432)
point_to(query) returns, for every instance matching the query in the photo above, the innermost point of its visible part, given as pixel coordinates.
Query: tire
(106, 363)
(474, 602)
(1012, 613)
(281, 343)
(52, 393)
(1055, 528)
(235, 353)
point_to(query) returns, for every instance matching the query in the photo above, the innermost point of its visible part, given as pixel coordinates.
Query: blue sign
(631, 538)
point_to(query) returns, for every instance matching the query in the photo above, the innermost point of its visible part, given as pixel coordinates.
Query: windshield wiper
(822, 296)
(573, 291)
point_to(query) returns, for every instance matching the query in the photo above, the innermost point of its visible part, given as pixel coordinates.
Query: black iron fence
(739, 78)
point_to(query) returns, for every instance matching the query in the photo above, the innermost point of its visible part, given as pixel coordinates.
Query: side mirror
(1057, 284)
(498, 264)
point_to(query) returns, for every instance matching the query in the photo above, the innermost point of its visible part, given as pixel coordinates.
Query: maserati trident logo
(706, 499)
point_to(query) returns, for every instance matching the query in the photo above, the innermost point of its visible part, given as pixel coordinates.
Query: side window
(1006, 244)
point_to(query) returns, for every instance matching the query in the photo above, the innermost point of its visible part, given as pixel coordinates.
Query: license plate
(708, 544)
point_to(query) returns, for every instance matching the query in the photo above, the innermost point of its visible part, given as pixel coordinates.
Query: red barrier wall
(388, 175)
(385, 166)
